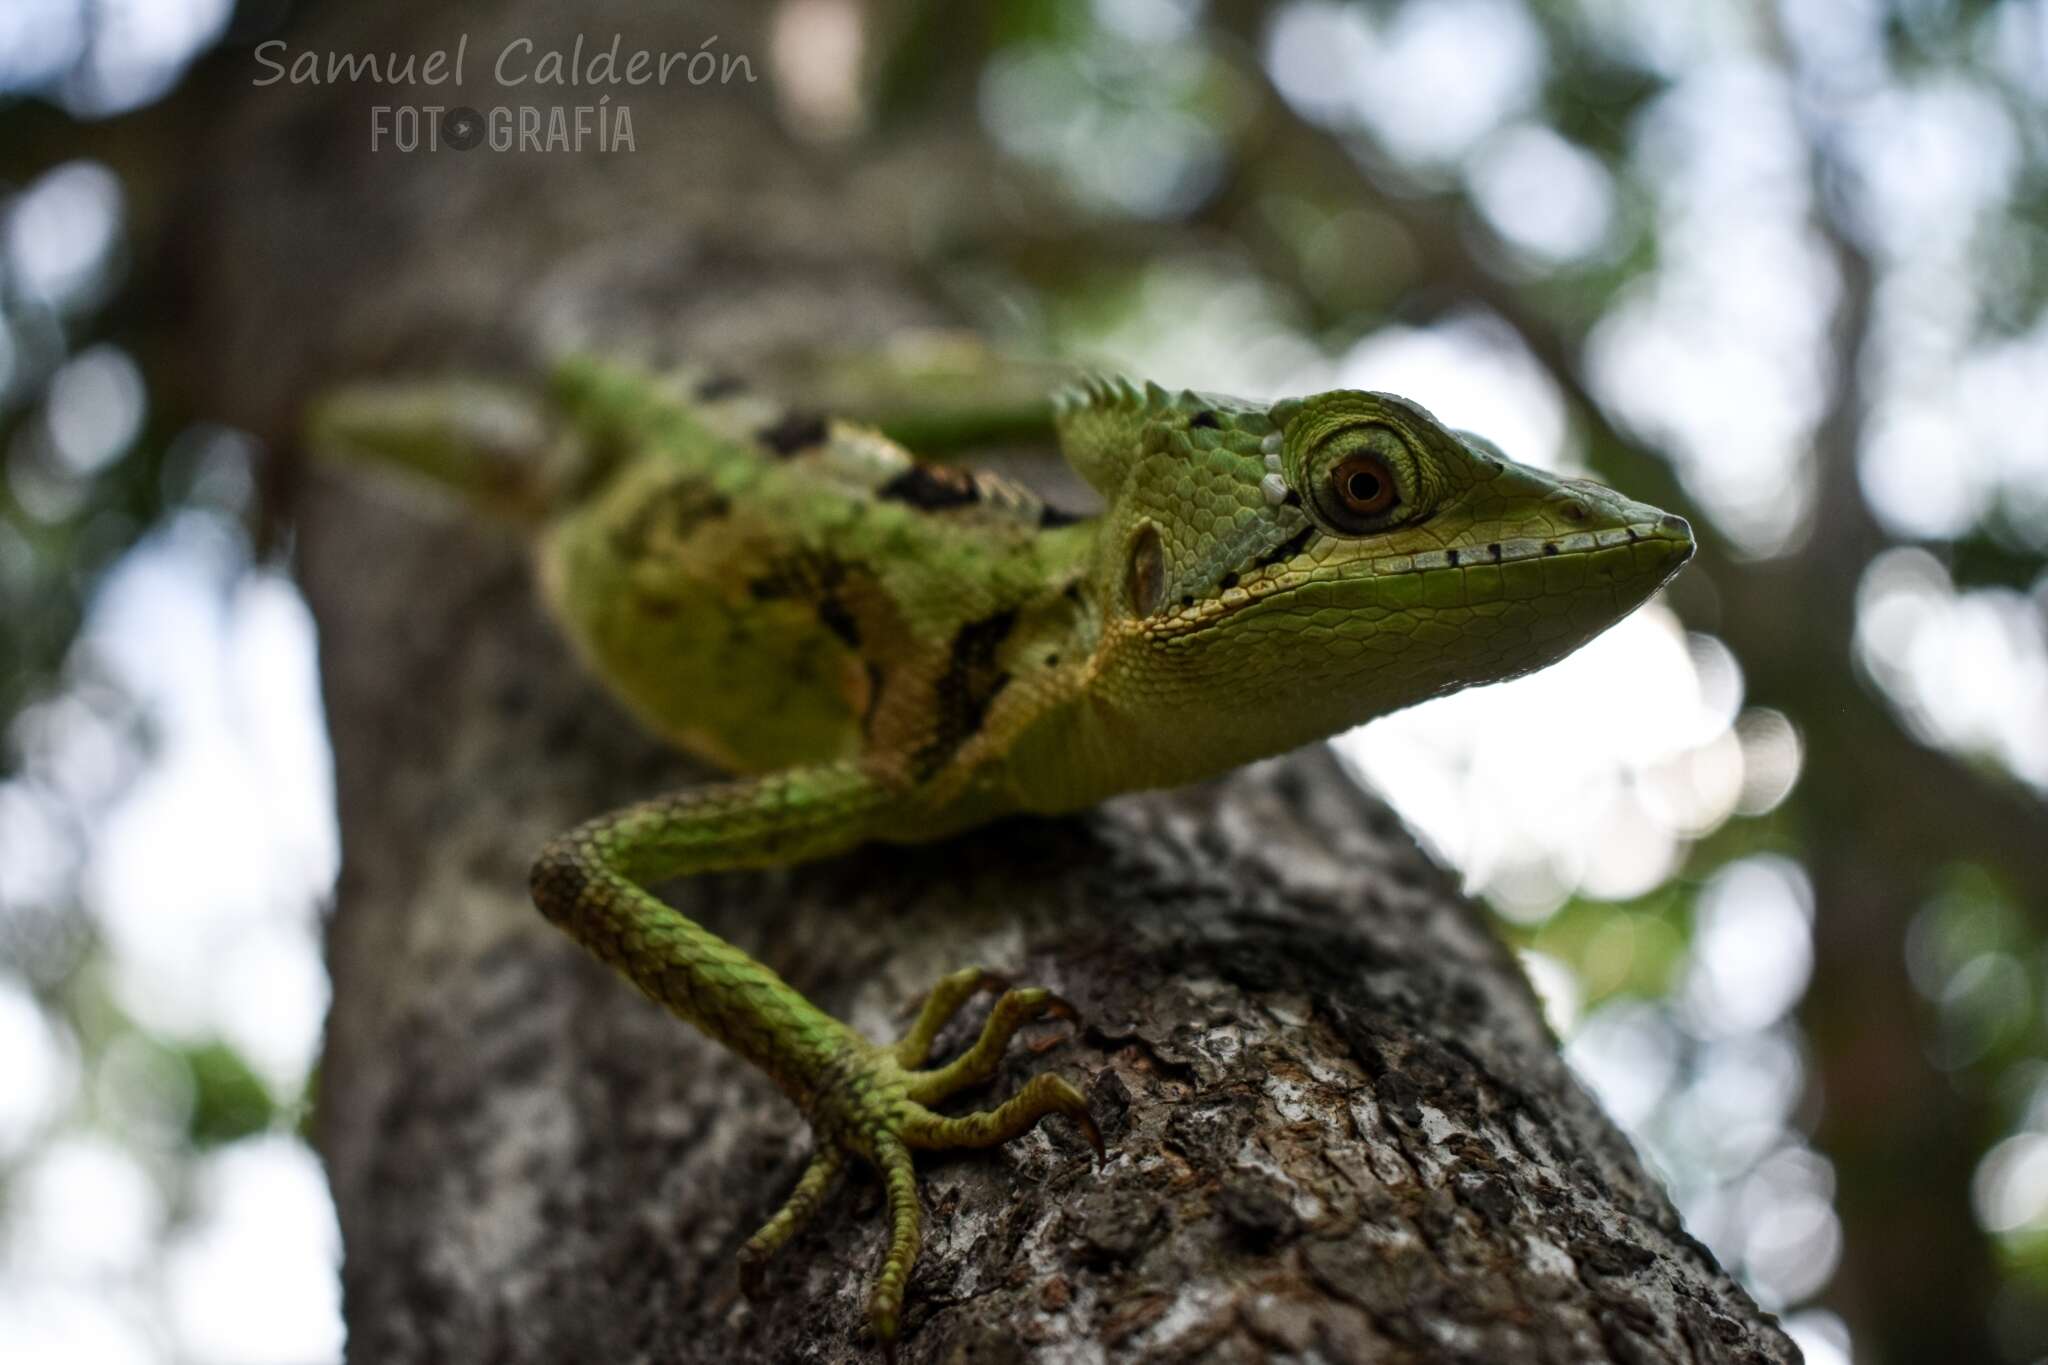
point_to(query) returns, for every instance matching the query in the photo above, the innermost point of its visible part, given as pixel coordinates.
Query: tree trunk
(1337, 1126)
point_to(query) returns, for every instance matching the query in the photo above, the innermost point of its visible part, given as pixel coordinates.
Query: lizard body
(883, 649)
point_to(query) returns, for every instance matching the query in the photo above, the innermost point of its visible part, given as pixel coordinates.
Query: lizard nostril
(1674, 523)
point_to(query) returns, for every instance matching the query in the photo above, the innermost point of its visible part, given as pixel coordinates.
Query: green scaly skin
(880, 649)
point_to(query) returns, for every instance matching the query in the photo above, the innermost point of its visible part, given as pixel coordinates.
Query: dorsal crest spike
(1156, 399)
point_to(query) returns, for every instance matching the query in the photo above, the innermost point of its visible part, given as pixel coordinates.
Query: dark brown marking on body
(1204, 418)
(876, 679)
(828, 583)
(839, 620)
(672, 513)
(1052, 518)
(804, 574)
(931, 487)
(964, 692)
(792, 433)
(720, 385)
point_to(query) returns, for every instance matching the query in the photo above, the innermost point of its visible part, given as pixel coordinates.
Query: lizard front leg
(862, 1099)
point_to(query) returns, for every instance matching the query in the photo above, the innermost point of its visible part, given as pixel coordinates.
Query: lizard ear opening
(1145, 578)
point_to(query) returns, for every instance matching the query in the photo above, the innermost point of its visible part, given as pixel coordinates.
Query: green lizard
(882, 649)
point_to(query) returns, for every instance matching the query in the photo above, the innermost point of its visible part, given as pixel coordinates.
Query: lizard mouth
(1668, 539)
(1622, 565)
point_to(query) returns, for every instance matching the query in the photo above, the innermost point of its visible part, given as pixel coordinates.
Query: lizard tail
(492, 445)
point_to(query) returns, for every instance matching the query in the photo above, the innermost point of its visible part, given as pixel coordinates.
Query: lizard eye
(1364, 485)
(1364, 463)
(1360, 490)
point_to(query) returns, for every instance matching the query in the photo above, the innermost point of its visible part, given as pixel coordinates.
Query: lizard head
(1307, 565)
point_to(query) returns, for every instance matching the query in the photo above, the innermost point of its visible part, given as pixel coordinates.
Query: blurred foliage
(229, 1099)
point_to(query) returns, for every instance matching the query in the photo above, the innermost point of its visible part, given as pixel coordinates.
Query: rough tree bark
(1338, 1127)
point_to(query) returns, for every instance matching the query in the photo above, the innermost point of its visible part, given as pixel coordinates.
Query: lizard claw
(1085, 1121)
(873, 1106)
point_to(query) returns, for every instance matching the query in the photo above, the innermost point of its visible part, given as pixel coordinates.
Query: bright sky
(206, 876)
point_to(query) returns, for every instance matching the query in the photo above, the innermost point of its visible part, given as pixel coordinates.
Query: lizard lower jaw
(1639, 554)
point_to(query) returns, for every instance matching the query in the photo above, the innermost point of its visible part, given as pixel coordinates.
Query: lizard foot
(873, 1106)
